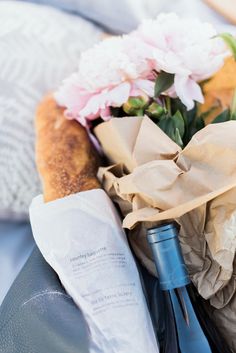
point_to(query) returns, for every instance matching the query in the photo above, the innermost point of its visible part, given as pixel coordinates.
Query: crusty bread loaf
(66, 160)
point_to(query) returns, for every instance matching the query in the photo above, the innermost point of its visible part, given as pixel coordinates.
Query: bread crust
(66, 160)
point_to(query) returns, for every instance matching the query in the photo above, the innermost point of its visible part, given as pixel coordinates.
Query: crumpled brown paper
(153, 180)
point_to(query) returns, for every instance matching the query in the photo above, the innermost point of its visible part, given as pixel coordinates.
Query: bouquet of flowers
(158, 71)
(147, 97)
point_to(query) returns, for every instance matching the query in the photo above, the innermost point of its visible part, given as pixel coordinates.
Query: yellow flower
(219, 90)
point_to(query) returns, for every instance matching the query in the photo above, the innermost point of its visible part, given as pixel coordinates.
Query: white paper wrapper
(81, 237)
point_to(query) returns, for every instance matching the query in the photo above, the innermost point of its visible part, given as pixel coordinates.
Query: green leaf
(199, 123)
(163, 81)
(196, 125)
(176, 104)
(179, 122)
(230, 41)
(188, 115)
(168, 125)
(222, 117)
(233, 107)
(177, 138)
(191, 115)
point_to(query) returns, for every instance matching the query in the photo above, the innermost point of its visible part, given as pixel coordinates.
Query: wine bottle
(174, 279)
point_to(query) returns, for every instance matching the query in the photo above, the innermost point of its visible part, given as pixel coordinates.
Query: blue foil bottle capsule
(174, 278)
(168, 258)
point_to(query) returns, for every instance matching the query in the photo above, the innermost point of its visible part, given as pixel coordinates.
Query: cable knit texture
(39, 46)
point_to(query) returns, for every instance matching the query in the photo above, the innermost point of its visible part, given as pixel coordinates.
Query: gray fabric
(39, 47)
(116, 16)
(37, 316)
(16, 244)
(124, 15)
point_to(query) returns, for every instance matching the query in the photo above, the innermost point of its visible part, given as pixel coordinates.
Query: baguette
(66, 159)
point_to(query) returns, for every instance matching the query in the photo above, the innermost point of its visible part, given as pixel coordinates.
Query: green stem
(168, 105)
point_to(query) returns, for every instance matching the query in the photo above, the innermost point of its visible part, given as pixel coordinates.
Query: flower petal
(188, 91)
(146, 86)
(108, 98)
(118, 95)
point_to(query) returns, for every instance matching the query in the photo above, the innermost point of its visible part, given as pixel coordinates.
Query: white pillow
(117, 16)
(39, 47)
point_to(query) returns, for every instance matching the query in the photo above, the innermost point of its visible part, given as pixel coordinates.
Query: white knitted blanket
(39, 46)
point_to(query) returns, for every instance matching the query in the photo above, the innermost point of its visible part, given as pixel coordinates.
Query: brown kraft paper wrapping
(153, 180)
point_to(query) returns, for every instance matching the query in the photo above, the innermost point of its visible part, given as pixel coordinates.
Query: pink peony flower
(107, 76)
(117, 68)
(185, 47)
